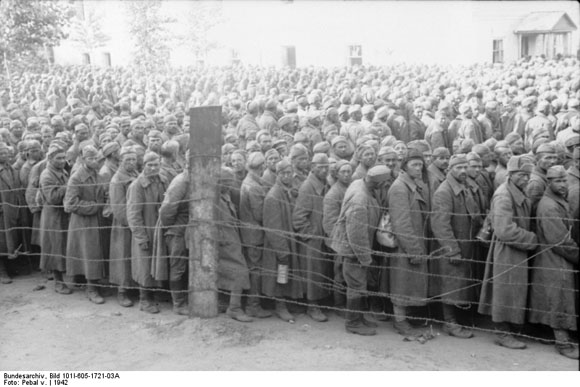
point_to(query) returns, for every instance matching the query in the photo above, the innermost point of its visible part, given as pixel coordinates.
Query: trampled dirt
(42, 330)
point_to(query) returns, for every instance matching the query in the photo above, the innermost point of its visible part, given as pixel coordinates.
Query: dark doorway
(289, 56)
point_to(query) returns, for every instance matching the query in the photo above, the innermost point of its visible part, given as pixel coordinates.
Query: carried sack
(385, 236)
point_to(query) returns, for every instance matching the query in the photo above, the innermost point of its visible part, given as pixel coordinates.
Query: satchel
(385, 236)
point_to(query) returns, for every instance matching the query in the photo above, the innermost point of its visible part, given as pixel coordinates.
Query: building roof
(541, 22)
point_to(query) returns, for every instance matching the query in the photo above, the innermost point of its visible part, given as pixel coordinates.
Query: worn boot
(451, 327)
(315, 313)
(355, 320)
(235, 310)
(179, 298)
(93, 293)
(564, 345)
(146, 303)
(339, 303)
(123, 299)
(283, 313)
(378, 308)
(401, 324)
(4, 277)
(254, 309)
(59, 285)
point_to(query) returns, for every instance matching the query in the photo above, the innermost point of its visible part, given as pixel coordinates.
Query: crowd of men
(380, 189)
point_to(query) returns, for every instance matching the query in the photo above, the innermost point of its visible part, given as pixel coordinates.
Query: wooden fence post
(204, 169)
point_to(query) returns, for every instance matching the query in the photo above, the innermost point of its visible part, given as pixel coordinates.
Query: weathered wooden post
(204, 169)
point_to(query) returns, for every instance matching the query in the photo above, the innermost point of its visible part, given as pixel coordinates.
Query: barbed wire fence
(204, 251)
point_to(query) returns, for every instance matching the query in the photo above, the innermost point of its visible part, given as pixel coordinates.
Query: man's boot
(451, 327)
(123, 299)
(377, 307)
(355, 320)
(505, 338)
(401, 324)
(339, 303)
(283, 313)
(315, 313)
(93, 293)
(254, 309)
(235, 310)
(146, 303)
(59, 285)
(4, 277)
(179, 297)
(564, 345)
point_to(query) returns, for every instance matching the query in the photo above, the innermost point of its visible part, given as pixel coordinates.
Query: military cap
(126, 150)
(354, 109)
(413, 154)
(54, 149)
(110, 148)
(283, 164)
(271, 152)
(572, 141)
(512, 137)
(320, 159)
(341, 163)
(520, 163)
(546, 148)
(338, 139)
(441, 151)
(379, 174)
(89, 151)
(279, 142)
(255, 159)
(457, 159)
(556, 172)
(573, 103)
(367, 109)
(382, 112)
(421, 145)
(150, 156)
(284, 120)
(298, 150)
(386, 150)
(473, 156)
(321, 147)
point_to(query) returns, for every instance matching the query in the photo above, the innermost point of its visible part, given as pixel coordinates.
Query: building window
(107, 59)
(86, 59)
(355, 55)
(498, 51)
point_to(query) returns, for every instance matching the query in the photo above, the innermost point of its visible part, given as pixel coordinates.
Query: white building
(335, 33)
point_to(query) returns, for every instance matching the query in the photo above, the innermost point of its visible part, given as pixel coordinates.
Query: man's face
(427, 156)
(238, 162)
(389, 160)
(138, 131)
(285, 176)
(4, 155)
(272, 160)
(155, 144)
(58, 161)
(559, 186)
(320, 171)
(265, 142)
(474, 168)
(282, 150)
(331, 134)
(35, 153)
(91, 162)
(459, 172)
(344, 174)
(518, 147)
(301, 162)
(341, 149)
(520, 179)
(418, 111)
(125, 127)
(368, 158)
(468, 113)
(504, 157)
(17, 130)
(357, 116)
(547, 160)
(442, 119)
(47, 136)
(441, 162)
(152, 168)
(171, 127)
(486, 159)
(333, 116)
(82, 133)
(415, 169)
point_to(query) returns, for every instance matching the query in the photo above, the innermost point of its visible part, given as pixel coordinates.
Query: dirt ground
(42, 330)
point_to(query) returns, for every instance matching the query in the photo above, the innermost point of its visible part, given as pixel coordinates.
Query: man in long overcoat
(120, 248)
(408, 269)
(545, 158)
(504, 292)
(252, 194)
(553, 292)
(438, 168)
(455, 221)
(84, 200)
(315, 267)
(352, 239)
(173, 219)
(280, 249)
(233, 273)
(53, 219)
(144, 198)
